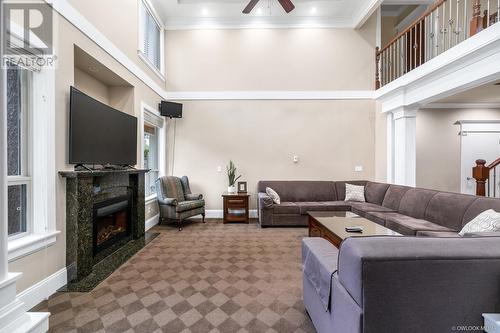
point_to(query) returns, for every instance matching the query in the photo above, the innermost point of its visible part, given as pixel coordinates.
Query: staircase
(487, 178)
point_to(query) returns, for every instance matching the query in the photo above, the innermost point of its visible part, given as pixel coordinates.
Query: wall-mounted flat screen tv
(99, 134)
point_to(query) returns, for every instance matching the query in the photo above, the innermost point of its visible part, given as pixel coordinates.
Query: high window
(151, 37)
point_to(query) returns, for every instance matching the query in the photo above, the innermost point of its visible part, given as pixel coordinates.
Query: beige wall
(39, 265)
(380, 144)
(91, 86)
(438, 145)
(261, 137)
(118, 20)
(271, 59)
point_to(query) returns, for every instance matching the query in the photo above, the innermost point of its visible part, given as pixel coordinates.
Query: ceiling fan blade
(250, 6)
(287, 5)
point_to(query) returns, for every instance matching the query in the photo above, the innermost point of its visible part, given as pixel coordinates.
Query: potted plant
(231, 175)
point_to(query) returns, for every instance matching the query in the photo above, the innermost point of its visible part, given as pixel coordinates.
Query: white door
(477, 145)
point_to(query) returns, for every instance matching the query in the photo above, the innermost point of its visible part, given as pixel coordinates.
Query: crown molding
(462, 106)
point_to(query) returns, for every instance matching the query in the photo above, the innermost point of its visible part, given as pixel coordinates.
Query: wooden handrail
(422, 17)
(494, 164)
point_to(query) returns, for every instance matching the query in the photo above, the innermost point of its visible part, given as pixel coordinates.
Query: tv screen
(171, 109)
(99, 134)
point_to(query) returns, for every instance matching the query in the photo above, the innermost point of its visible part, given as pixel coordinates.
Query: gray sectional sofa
(409, 211)
(401, 284)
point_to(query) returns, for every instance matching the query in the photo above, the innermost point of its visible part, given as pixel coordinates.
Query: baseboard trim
(43, 289)
(218, 214)
(152, 221)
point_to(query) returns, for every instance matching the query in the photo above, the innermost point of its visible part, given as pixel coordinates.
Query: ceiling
(489, 93)
(186, 14)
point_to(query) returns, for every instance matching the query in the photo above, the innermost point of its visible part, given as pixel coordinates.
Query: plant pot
(231, 189)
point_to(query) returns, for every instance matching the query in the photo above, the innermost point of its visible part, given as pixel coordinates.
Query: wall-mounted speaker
(171, 109)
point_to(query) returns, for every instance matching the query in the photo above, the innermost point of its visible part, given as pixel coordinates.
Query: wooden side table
(236, 207)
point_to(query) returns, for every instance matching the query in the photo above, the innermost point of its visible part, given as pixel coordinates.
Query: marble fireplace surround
(83, 190)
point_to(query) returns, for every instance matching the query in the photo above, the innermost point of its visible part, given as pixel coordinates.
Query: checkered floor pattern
(207, 278)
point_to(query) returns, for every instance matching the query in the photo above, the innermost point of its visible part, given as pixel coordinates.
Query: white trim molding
(403, 136)
(271, 95)
(31, 243)
(43, 289)
(152, 221)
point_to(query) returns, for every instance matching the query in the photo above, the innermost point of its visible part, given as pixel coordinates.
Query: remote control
(354, 229)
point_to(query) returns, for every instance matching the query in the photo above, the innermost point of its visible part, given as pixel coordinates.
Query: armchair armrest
(167, 201)
(265, 201)
(193, 196)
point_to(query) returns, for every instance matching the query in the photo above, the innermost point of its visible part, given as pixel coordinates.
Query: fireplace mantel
(84, 189)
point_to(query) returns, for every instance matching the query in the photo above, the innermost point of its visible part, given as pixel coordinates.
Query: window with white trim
(150, 37)
(151, 154)
(19, 181)
(153, 148)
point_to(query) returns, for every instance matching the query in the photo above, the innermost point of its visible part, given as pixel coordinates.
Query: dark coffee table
(331, 226)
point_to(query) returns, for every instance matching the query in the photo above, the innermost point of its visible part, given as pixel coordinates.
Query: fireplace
(112, 222)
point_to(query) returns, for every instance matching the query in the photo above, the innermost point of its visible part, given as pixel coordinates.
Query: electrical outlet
(358, 168)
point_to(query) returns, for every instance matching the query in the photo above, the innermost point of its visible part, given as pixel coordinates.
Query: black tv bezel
(70, 136)
(164, 114)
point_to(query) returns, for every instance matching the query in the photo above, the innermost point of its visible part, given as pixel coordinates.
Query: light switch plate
(358, 168)
(219, 169)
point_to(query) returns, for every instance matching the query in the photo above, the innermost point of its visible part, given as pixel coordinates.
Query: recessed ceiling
(185, 14)
(489, 93)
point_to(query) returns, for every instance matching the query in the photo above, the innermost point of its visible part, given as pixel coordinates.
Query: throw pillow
(272, 193)
(354, 193)
(487, 221)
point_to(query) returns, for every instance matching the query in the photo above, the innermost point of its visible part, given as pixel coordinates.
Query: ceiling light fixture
(204, 11)
(314, 10)
(259, 11)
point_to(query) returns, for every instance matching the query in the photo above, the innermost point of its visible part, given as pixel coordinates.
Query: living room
(303, 97)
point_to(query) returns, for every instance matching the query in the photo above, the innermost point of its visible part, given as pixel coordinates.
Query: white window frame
(24, 178)
(161, 133)
(41, 200)
(160, 72)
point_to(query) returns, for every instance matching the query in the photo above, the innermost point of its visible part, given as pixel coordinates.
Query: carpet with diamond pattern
(207, 278)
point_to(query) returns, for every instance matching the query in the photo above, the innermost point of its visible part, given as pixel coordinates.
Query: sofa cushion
(361, 208)
(415, 202)
(183, 206)
(286, 208)
(323, 206)
(479, 206)
(378, 217)
(393, 196)
(375, 192)
(297, 191)
(409, 226)
(340, 187)
(427, 233)
(487, 221)
(448, 209)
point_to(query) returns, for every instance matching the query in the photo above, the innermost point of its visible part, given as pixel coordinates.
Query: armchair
(176, 201)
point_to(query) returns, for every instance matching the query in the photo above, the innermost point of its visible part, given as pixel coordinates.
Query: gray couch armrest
(167, 201)
(265, 201)
(193, 196)
(447, 281)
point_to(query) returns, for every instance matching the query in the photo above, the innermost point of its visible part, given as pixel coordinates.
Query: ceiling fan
(287, 5)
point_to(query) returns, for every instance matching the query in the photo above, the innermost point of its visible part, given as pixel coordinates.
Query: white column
(404, 142)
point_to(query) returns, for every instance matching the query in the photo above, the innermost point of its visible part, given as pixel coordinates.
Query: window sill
(151, 198)
(29, 244)
(151, 66)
